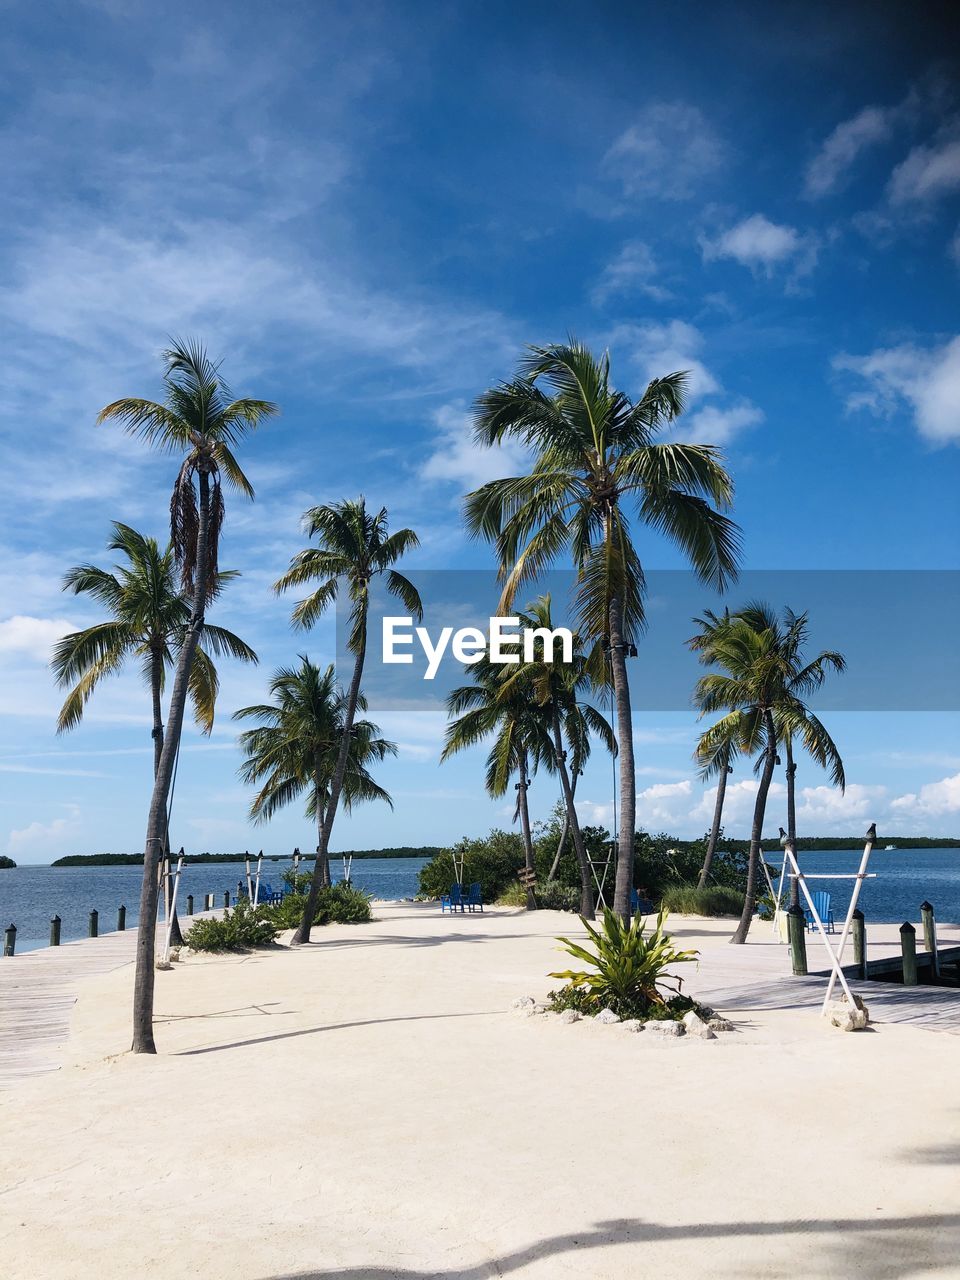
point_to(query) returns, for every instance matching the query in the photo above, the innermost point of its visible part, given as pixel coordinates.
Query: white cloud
(666, 153)
(928, 172)
(459, 460)
(631, 271)
(36, 636)
(831, 165)
(932, 800)
(927, 380)
(830, 810)
(44, 837)
(666, 348)
(761, 245)
(713, 425)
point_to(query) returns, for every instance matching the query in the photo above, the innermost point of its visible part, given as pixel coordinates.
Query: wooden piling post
(226, 897)
(10, 940)
(797, 935)
(908, 946)
(121, 918)
(858, 926)
(929, 920)
(55, 931)
(189, 904)
(93, 925)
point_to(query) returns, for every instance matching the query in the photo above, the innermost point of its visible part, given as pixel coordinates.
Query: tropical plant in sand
(761, 686)
(354, 549)
(596, 469)
(628, 965)
(200, 420)
(294, 748)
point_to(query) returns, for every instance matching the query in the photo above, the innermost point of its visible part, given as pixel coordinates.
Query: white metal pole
(819, 923)
(173, 910)
(246, 858)
(861, 876)
(256, 890)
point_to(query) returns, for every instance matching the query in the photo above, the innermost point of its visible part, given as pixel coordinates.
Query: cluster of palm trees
(597, 471)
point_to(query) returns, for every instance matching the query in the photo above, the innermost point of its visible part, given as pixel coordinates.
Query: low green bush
(714, 900)
(552, 896)
(241, 929)
(514, 895)
(339, 903)
(571, 997)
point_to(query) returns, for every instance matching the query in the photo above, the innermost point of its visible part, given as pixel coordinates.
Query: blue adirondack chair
(452, 901)
(821, 900)
(474, 898)
(640, 904)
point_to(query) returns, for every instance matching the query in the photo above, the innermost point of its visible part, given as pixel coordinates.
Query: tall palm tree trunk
(302, 934)
(756, 834)
(322, 862)
(525, 826)
(587, 906)
(143, 982)
(564, 832)
(715, 829)
(623, 885)
(156, 680)
(792, 815)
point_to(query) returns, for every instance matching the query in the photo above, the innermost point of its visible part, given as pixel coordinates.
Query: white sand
(367, 1107)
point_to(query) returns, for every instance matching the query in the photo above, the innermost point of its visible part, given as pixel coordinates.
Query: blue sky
(368, 213)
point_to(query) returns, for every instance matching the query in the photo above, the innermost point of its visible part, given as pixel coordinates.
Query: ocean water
(30, 896)
(904, 878)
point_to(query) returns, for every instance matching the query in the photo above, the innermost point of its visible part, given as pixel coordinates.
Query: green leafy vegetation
(714, 900)
(6, 863)
(627, 967)
(241, 929)
(339, 903)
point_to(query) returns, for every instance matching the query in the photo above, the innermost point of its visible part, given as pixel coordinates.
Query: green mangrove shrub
(339, 903)
(241, 929)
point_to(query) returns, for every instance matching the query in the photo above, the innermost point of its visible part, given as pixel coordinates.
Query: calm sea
(29, 896)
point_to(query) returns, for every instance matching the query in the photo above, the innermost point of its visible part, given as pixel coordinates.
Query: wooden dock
(38, 990)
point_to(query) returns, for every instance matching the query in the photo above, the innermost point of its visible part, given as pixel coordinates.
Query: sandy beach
(368, 1106)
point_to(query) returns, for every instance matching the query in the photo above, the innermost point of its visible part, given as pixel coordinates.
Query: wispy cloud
(830, 168)
(632, 271)
(668, 153)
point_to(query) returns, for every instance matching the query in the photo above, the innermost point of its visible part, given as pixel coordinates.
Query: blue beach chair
(452, 901)
(821, 900)
(474, 898)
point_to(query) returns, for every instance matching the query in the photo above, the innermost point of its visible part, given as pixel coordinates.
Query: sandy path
(366, 1107)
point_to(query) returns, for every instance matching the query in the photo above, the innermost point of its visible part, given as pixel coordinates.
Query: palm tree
(718, 765)
(355, 548)
(483, 709)
(199, 418)
(148, 622)
(761, 687)
(595, 467)
(296, 745)
(558, 689)
(796, 722)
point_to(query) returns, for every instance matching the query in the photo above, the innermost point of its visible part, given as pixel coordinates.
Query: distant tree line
(136, 859)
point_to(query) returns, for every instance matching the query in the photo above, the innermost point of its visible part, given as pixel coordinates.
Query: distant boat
(888, 846)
